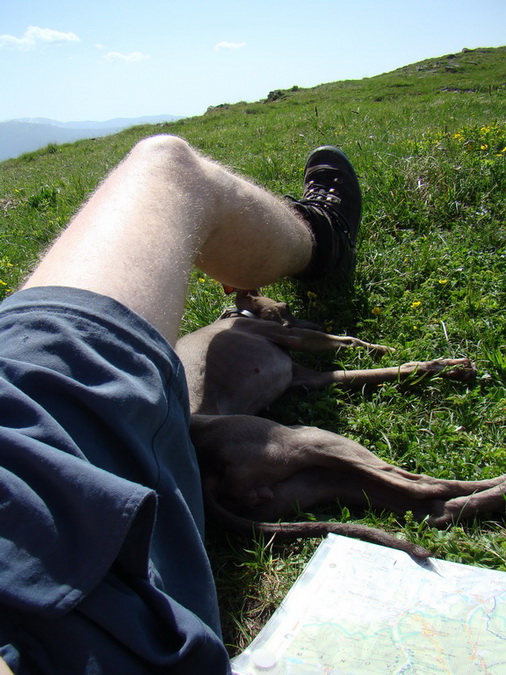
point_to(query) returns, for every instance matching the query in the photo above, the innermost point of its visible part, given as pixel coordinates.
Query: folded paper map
(363, 608)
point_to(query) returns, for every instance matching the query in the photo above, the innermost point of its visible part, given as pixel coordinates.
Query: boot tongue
(313, 172)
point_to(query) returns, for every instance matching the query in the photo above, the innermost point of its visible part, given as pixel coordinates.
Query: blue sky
(100, 59)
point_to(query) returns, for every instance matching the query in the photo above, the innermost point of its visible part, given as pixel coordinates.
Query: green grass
(429, 144)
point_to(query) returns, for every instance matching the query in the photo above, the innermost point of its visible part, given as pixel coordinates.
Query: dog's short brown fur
(256, 471)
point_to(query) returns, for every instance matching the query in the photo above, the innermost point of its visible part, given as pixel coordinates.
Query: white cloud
(229, 45)
(131, 57)
(35, 36)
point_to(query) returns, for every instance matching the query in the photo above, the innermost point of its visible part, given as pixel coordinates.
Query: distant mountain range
(25, 135)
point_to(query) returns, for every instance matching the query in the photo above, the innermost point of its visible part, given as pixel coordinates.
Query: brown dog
(256, 471)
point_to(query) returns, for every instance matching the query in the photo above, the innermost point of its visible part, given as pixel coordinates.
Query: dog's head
(269, 310)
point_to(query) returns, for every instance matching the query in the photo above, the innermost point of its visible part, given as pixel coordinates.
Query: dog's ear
(246, 299)
(244, 294)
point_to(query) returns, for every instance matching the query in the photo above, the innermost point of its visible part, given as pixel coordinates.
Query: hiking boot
(331, 205)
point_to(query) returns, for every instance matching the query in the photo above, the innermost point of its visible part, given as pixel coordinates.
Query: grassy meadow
(428, 142)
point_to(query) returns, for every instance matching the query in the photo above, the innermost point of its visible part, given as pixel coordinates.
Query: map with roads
(362, 608)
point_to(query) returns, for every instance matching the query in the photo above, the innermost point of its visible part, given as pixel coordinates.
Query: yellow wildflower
(443, 281)
(376, 311)
(415, 304)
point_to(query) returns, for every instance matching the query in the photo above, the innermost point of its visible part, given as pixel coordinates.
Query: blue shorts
(102, 563)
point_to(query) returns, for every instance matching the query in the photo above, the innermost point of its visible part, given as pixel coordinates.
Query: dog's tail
(241, 525)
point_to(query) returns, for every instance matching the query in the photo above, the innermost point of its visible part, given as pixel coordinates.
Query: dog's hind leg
(264, 469)
(325, 467)
(466, 506)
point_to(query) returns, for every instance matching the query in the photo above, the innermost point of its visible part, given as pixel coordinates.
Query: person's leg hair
(163, 209)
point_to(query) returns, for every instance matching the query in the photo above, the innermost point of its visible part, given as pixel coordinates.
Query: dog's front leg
(456, 369)
(307, 340)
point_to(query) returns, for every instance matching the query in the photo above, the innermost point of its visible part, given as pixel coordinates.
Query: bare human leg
(162, 210)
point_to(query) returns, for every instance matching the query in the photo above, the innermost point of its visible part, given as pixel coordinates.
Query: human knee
(169, 148)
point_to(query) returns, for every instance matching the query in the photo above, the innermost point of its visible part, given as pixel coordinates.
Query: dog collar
(233, 312)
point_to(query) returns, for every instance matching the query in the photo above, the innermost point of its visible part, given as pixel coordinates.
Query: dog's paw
(381, 349)
(452, 369)
(456, 369)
